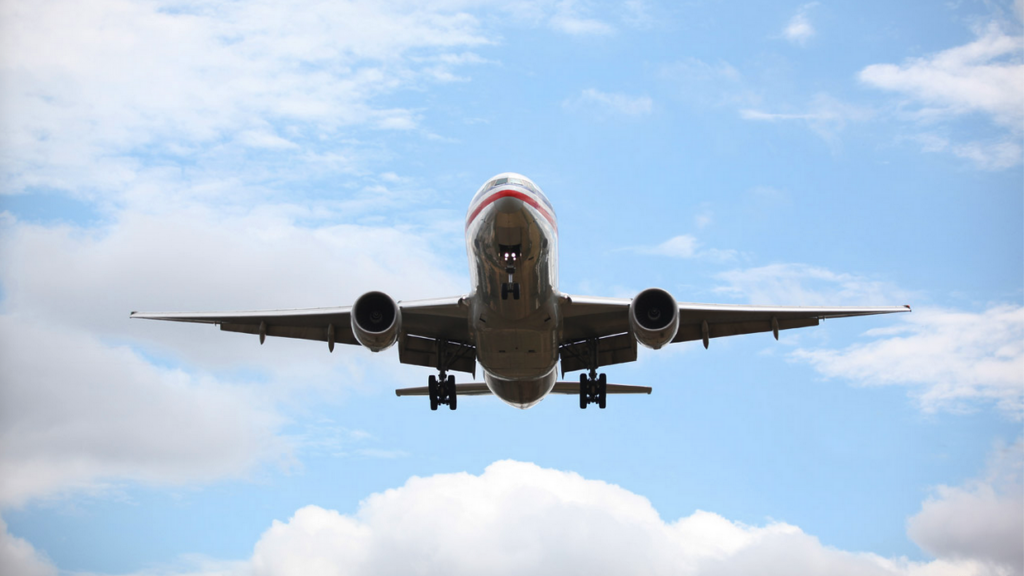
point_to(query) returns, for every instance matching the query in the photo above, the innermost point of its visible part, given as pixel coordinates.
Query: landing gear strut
(442, 391)
(510, 287)
(593, 389)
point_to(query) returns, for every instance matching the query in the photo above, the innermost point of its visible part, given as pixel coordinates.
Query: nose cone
(508, 205)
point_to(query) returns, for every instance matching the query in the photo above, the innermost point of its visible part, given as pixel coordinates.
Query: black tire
(432, 389)
(583, 392)
(602, 391)
(452, 397)
(515, 291)
(504, 291)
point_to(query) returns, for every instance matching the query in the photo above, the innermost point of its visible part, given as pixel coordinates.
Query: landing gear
(510, 254)
(442, 391)
(593, 390)
(510, 288)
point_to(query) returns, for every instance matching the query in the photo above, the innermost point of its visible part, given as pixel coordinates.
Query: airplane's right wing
(431, 329)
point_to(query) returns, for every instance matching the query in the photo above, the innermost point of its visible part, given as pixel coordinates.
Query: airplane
(515, 322)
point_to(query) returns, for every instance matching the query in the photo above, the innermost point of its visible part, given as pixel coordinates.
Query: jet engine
(376, 321)
(654, 317)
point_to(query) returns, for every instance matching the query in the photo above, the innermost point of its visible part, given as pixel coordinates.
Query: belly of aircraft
(521, 393)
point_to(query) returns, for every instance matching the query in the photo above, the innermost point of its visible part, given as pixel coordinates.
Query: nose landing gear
(510, 255)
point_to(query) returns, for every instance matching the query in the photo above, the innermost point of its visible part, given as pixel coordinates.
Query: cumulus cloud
(799, 28)
(604, 102)
(79, 407)
(982, 519)
(517, 517)
(76, 413)
(951, 359)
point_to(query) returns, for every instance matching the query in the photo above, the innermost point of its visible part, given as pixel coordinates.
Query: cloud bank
(517, 518)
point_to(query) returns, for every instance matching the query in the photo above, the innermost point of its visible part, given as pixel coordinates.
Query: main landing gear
(510, 254)
(442, 391)
(593, 389)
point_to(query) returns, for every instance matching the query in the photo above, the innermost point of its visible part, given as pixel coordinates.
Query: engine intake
(654, 317)
(376, 321)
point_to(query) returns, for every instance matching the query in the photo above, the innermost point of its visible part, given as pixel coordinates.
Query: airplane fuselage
(512, 241)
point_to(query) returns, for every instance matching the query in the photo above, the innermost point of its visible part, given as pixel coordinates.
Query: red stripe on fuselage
(512, 194)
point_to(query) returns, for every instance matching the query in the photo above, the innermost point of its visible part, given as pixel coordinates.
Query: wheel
(515, 291)
(504, 291)
(583, 392)
(452, 397)
(602, 391)
(432, 389)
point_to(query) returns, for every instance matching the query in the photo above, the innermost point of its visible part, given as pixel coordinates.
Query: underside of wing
(305, 323)
(432, 331)
(481, 389)
(597, 331)
(705, 321)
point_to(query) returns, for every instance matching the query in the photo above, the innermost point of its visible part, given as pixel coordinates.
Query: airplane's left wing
(599, 327)
(424, 324)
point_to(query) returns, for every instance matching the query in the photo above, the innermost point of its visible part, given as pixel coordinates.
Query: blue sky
(219, 155)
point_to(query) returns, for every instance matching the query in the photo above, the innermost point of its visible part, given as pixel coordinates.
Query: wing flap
(610, 350)
(427, 352)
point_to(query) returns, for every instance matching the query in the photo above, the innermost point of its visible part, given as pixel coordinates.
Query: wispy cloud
(950, 359)
(173, 83)
(985, 76)
(610, 102)
(799, 28)
(824, 115)
(806, 285)
(687, 246)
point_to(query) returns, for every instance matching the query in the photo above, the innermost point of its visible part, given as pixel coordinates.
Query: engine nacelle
(654, 317)
(376, 321)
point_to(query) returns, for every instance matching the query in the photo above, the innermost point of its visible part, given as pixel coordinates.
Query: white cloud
(604, 102)
(75, 413)
(982, 519)
(950, 359)
(799, 29)
(985, 76)
(567, 16)
(79, 408)
(825, 115)
(167, 78)
(519, 518)
(18, 557)
(805, 285)
(687, 246)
